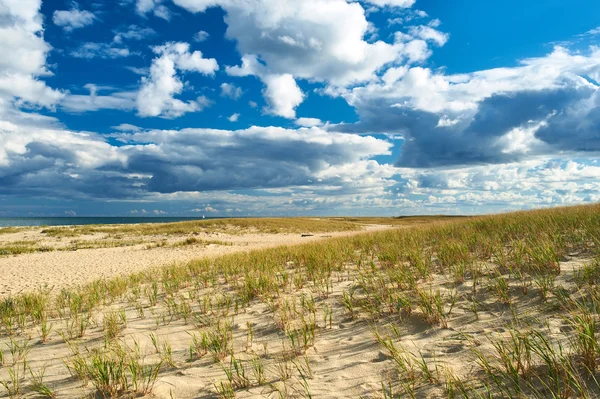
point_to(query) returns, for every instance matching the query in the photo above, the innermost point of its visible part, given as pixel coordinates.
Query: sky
(297, 107)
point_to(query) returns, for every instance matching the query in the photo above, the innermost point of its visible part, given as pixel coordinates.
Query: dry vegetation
(490, 307)
(153, 235)
(229, 226)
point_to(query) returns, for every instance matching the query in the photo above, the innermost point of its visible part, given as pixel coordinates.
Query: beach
(303, 308)
(62, 264)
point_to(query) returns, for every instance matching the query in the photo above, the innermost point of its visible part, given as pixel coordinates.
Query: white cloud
(422, 89)
(428, 33)
(162, 12)
(282, 94)
(21, 37)
(83, 103)
(91, 50)
(234, 117)
(285, 40)
(73, 18)
(159, 10)
(145, 6)
(138, 71)
(308, 122)
(133, 32)
(201, 36)
(156, 95)
(392, 3)
(231, 91)
(530, 183)
(126, 127)
(594, 32)
(207, 208)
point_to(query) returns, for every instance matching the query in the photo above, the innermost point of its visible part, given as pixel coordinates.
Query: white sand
(58, 269)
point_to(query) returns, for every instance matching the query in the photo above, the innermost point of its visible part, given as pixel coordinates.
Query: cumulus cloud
(308, 122)
(127, 127)
(303, 170)
(309, 39)
(21, 37)
(536, 182)
(156, 95)
(216, 159)
(201, 36)
(32, 160)
(429, 33)
(234, 117)
(206, 208)
(73, 18)
(544, 106)
(191, 160)
(143, 7)
(282, 41)
(281, 92)
(231, 91)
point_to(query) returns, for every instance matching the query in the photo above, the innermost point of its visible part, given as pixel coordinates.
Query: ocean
(75, 220)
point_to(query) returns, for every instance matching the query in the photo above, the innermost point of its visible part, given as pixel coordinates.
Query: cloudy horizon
(288, 107)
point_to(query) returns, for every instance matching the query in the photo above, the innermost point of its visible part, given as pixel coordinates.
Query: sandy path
(61, 269)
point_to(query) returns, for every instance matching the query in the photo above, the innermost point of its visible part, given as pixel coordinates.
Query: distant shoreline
(32, 221)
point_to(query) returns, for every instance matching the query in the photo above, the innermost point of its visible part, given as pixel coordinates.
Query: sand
(346, 360)
(60, 269)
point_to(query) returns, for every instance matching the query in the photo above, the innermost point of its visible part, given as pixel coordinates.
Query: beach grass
(229, 226)
(499, 306)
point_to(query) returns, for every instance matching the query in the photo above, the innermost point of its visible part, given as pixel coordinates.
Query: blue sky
(287, 107)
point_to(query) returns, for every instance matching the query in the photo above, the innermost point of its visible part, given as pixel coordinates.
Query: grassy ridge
(230, 226)
(448, 276)
(111, 236)
(403, 220)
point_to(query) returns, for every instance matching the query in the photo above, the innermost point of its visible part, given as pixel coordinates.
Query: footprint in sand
(381, 357)
(454, 348)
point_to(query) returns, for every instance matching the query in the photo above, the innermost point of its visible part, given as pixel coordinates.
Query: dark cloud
(572, 118)
(76, 166)
(500, 113)
(576, 127)
(201, 160)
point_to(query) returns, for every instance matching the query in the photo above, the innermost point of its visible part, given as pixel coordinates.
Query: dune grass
(402, 220)
(515, 295)
(229, 226)
(23, 247)
(10, 230)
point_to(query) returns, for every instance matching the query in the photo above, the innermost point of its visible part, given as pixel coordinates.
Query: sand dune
(454, 309)
(59, 269)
